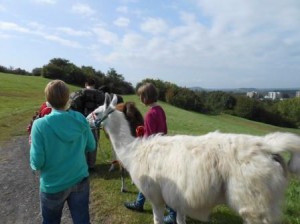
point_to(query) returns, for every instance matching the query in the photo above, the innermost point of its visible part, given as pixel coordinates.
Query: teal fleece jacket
(59, 143)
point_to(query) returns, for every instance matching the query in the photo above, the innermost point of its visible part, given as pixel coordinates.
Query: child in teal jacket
(60, 141)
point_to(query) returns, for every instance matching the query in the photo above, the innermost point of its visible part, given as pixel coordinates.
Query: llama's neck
(119, 132)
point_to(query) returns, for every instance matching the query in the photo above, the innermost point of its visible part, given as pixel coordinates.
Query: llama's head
(98, 116)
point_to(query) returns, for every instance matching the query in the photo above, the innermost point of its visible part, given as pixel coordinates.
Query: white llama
(193, 174)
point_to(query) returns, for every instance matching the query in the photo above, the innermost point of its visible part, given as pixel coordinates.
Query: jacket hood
(66, 125)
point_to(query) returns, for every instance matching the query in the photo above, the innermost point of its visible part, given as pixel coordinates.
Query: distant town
(262, 94)
(273, 95)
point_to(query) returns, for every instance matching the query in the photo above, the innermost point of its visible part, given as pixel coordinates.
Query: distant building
(298, 94)
(252, 94)
(273, 95)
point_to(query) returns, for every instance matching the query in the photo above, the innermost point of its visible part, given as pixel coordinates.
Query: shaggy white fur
(193, 174)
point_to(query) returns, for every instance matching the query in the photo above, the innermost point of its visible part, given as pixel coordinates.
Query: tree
(218, 101)
(245, 107)
(56, 69)
(3, 69)
(88, 70)
(290, 109)
(52, 71)
(112, 75)
(37, 71)
(77, 77)
(116, 83)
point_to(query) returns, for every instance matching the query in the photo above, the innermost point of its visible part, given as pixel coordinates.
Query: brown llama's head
(132, 115)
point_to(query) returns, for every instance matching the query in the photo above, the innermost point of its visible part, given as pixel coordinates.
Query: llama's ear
(107, 100)
(114, 100)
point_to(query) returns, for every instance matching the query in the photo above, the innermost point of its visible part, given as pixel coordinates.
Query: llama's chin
(91, 124)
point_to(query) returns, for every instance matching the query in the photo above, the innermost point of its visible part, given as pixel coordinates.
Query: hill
(21, 96)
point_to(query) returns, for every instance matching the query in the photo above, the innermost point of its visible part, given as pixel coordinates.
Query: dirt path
(19, 187)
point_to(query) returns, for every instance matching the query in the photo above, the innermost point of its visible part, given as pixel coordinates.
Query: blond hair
(57, 94)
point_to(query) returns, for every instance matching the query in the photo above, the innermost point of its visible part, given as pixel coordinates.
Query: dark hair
(148, 93)
(90, 82)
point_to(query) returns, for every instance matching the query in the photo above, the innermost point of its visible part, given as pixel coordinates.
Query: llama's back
(194, 173)
(187, 170)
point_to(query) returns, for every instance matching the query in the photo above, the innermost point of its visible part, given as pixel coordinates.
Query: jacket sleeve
(37, 153)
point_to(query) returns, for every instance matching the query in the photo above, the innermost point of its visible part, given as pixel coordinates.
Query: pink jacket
(155, 121)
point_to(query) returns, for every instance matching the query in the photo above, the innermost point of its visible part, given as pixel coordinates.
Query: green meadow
(21, 96)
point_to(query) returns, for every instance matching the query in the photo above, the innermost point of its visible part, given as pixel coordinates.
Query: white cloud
(83, 9)
(72, 32)
(13, 27)
(133, 42)
(122, 9)
(37, 30)
(36, 26)
(188, 18)
(4, 36)
(2, 8)
(129, 1)
(249, 15)
(45, 1)
(105, 37)
(122, 22)
(233, 43)
(62, 41)
(154, 26)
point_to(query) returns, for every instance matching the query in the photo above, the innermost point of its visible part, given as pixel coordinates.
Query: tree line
(63, 69)
(280, 113)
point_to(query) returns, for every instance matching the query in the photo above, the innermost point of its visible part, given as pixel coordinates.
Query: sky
(191, 43)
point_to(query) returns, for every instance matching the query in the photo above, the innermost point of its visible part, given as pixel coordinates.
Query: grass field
(20, 96)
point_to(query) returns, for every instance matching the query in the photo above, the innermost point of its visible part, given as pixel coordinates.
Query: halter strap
(97, 122)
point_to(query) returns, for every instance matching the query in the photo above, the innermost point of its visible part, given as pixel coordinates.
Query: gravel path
(19, 186)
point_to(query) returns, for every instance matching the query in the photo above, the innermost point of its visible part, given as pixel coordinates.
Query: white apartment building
(273, 95)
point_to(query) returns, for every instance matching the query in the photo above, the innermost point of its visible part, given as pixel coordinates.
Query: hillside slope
(21, 96)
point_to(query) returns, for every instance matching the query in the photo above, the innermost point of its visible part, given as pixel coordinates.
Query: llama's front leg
(123, 187)
(114, 159)
(111, 168)
(158, 213)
